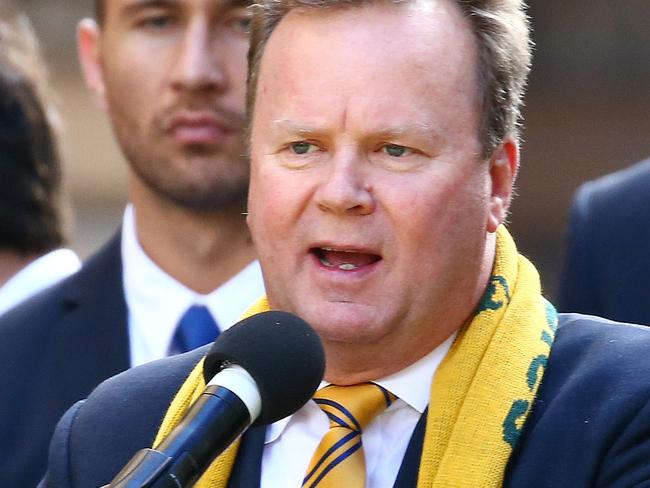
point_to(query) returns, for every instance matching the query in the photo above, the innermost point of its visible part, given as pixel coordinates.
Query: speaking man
(171, 76)
(384, 150)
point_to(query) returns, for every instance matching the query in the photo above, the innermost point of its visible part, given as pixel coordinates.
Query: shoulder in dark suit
(607, 264)
(590, 426)
(54, 349)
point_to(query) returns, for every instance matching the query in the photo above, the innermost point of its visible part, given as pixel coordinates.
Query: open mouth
(343, 259)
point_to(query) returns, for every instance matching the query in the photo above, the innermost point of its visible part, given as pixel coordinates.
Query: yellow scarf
(481, 393)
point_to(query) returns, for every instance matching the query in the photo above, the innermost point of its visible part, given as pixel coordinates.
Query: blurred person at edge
(171, 76)
(31, 225)
(384, 149)
(606, 268)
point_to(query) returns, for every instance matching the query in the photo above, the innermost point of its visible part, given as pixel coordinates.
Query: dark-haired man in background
(171, 75)
(384, 150)
(31, 224)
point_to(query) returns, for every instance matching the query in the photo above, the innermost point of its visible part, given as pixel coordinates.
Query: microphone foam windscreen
(281, 352)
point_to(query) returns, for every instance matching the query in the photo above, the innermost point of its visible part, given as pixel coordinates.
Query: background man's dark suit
(607, 264)
(66, 340)
(590, 426)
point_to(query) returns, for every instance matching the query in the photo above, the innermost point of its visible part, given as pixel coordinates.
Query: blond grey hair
(502, 34)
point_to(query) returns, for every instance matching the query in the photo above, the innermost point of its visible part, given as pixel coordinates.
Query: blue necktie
(195, 329)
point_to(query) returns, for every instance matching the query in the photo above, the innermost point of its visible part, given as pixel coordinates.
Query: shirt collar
(407, 384)
(157, 301)
(44, 271)
(412, 385)
(146, 285)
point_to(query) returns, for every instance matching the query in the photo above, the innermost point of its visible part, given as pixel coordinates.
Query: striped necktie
(339, 461)
(195, 329)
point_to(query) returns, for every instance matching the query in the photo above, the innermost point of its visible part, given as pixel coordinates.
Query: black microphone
(258, 371)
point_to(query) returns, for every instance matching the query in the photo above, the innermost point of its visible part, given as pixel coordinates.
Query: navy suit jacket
(607, 264)
(54, 349)
(589, 427)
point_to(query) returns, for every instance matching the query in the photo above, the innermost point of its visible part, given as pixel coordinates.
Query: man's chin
(212, 201)
(345, 323)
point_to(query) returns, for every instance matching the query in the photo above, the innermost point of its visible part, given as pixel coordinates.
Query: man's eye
(239, 20)
(243, 24)
(303, 147)
(395, 150)
(157, 22)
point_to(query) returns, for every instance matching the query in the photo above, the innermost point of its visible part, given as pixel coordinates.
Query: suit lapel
(93, 344)
(407, 477)
(247, 470)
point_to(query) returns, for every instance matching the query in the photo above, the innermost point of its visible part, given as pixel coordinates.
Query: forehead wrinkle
(293, 127)
(423, 130)
(344, 117)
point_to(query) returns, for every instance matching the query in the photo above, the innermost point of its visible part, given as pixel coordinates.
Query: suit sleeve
(577, 291)
(58, 472)
(627, 462)
(98, 436)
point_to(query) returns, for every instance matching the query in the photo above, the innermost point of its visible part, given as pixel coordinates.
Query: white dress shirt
(156, 301)
(291, 442)
(38, 275)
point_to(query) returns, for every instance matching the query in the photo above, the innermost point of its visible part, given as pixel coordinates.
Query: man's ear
(88, 38)
(504, 164)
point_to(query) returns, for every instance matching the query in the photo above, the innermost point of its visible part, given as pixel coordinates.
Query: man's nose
(346, 188)
(198, 65)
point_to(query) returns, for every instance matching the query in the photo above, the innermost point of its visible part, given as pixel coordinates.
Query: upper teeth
(334, 250)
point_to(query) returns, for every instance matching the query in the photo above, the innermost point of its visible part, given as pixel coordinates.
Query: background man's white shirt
(156, 301)
(41, 273)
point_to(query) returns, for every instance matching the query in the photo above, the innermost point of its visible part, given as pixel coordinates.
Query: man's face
(172, 75)
(369, 203)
